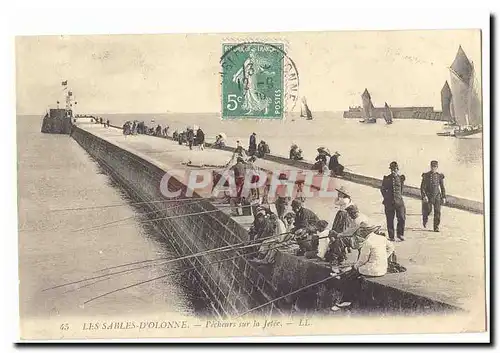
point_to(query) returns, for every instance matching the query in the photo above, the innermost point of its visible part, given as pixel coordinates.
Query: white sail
(367, 104)
(388, 116)
(446, 103)
(302, 110)
(475, 109)
(466, 104)
(305, 112)
(460, 96)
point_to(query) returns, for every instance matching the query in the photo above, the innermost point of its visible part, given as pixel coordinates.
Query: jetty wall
(421, 113)
(235, 286)
(409, 191)
(189, 227)
(452, 201)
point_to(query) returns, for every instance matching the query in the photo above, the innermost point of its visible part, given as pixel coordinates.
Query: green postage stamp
(253, 81)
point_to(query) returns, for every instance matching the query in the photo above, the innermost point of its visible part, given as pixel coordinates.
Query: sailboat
(465, 98)
(368, 108)
(388, 116)
(447, 107)
(305, 112)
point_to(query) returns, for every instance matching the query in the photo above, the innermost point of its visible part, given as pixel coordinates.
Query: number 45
(232, 103)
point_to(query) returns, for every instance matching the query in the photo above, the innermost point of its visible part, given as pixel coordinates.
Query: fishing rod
(204, 252)
(281, 244)
(156, 278)
(236, 247)
(155, 219)
(185, 270)
(124, 204)
(86, 285)
(138, 268)
(128, 270)
(284, 296)
(104, 225)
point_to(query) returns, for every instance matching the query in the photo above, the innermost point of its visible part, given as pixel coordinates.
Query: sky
(180, 73)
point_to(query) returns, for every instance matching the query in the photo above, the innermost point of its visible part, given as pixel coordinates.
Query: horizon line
(205, 112)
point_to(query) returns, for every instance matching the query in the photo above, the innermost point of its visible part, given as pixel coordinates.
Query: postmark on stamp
(259, 81)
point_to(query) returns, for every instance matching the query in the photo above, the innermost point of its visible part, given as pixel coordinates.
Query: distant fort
(423, 113)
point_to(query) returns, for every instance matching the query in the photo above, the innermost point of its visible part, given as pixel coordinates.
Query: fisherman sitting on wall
(270, 246)
(304, 218)
(376, 258)
(261, 228)
(309, 241)
(296, 153)
(374, 251)
(219, 141)
(336, 169)
(341, 242)
(263, 149)
(321, 160)
(342, 220)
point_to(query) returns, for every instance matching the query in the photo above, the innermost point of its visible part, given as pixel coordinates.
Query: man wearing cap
(321, 159)
(342, 220)
(295, 153)
(269, 246)
(392, 192)
(261, 227)
(433, 195)
(304, 218)
(252, 145)
(309, 241)
(282, 199)
(342, 241)
(374, 251)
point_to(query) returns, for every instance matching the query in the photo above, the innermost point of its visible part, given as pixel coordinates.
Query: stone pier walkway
(447, 266)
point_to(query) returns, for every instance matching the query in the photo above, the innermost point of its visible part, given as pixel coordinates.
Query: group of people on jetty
(139, 127)
(191, 136)
(292, 227)
(94, 119)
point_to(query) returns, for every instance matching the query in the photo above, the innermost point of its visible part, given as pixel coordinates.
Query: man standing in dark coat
(252, 145)
(392, 192)
(200, 138)
(190, 138)
(433, 194)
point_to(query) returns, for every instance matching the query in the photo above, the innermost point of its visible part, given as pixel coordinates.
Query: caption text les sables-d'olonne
(183, 324)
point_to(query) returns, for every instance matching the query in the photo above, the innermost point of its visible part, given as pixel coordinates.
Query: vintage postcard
(250, 184)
